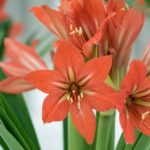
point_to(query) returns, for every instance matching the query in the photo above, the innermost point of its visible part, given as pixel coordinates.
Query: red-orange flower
(82, 22)
(124, 28)
(136, 110)
(22, 59)
(75, 87)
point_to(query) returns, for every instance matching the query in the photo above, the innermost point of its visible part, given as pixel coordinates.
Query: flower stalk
(75, 140)
(104, 130)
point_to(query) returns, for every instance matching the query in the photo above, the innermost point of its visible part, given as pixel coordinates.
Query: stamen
(144, 115)
(68, 97)
(142, 94)
(79, 30)
(71, 100)
(125, 8)
(143, 103)
(79, 104)
(81, 95)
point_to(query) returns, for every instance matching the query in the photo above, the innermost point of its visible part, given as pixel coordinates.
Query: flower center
(75, 94)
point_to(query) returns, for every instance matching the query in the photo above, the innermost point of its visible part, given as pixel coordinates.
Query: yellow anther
(78, 31)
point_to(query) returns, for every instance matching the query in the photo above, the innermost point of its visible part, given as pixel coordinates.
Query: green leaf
(121, 143)
(8, 138)
(4, 30)
(143, 143)
(75, 140)
(131, 146)
(17, 103)
(13, 125)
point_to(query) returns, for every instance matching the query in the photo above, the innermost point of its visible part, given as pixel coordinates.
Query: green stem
(92, 147)
(65, 133)
(112, 134)
(104, 130)
(75, 140)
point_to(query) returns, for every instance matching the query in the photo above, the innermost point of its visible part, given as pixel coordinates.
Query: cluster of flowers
(93, 47)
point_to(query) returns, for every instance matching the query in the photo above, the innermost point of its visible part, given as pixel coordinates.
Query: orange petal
(52, 19)
(67, 55)
(105, 98)
(25, 55)
(135, 76)
(97, 37)
(128, 128)
(84, 120)
(98, 68)
(53, 109)
(44, 80)
(15, 85)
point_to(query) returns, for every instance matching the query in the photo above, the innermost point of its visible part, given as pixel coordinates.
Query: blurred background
(50, 135)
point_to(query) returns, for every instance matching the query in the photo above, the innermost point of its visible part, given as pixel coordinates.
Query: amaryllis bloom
(146, 57)
(22, 59)
(82, 22)
(3, 14)
(75, 87)
(124, 28)
(136, 109)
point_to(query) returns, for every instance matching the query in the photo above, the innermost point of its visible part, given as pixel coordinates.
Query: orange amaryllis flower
(75, 87)
(22, 59)
(146, 57)
(136, 110)
(124, 28)
(82, 22)
(3, 15)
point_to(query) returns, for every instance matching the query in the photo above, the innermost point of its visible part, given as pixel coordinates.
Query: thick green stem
(111, 144)
(75, 140)
(104, 130)
(93, 146)
(65, 133)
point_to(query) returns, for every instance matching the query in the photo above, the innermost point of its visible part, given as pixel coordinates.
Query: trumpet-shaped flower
(75, 87)
(124, 28)
(22, 59)
(135, 112)
(82, 22)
